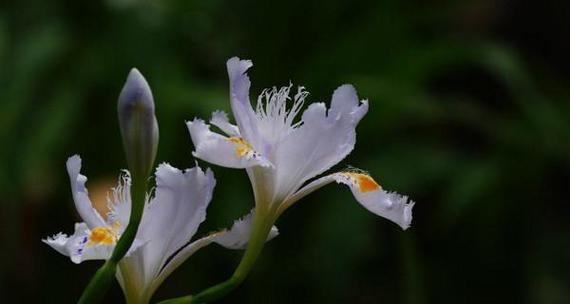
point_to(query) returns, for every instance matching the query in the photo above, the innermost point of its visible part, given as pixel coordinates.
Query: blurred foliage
(469, 115)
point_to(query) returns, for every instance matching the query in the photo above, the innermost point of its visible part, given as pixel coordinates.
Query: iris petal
(78, 246)
(390, 205)
(80, 195)
(172, 217)
(322, 141)
(232, 152)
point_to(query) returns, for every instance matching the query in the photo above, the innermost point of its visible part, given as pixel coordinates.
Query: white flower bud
(138, 124)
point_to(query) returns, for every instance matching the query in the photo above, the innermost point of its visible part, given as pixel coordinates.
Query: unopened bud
(138, 124)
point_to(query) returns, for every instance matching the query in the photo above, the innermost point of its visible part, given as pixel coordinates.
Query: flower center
(276, 111)
(243, 148)
(102, 235)
(364, 182)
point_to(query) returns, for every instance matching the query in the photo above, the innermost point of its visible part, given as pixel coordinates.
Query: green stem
(102, 279)
(181, 300)
(100, 282)
(260, 230)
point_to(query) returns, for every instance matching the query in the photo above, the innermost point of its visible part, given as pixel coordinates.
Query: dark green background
(469, 115)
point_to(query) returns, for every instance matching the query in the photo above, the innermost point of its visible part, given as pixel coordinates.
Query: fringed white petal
(239, 97)
(80, 195)
(58, 242)
(345, 103)
(238, 236)
(119, 203)
(78, 246)
(173, 215)
(232, 152)
(320, 142)
(390, 205)
(220, 120)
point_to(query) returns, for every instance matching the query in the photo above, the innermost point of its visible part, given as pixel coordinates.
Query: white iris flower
(170, 219)
(282, 154)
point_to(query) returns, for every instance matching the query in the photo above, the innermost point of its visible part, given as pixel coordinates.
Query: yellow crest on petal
(243, 148)
(102, 236)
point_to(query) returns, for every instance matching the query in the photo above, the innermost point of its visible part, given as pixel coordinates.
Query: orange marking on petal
(242, 146)
(365, 182)
(101, 235)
